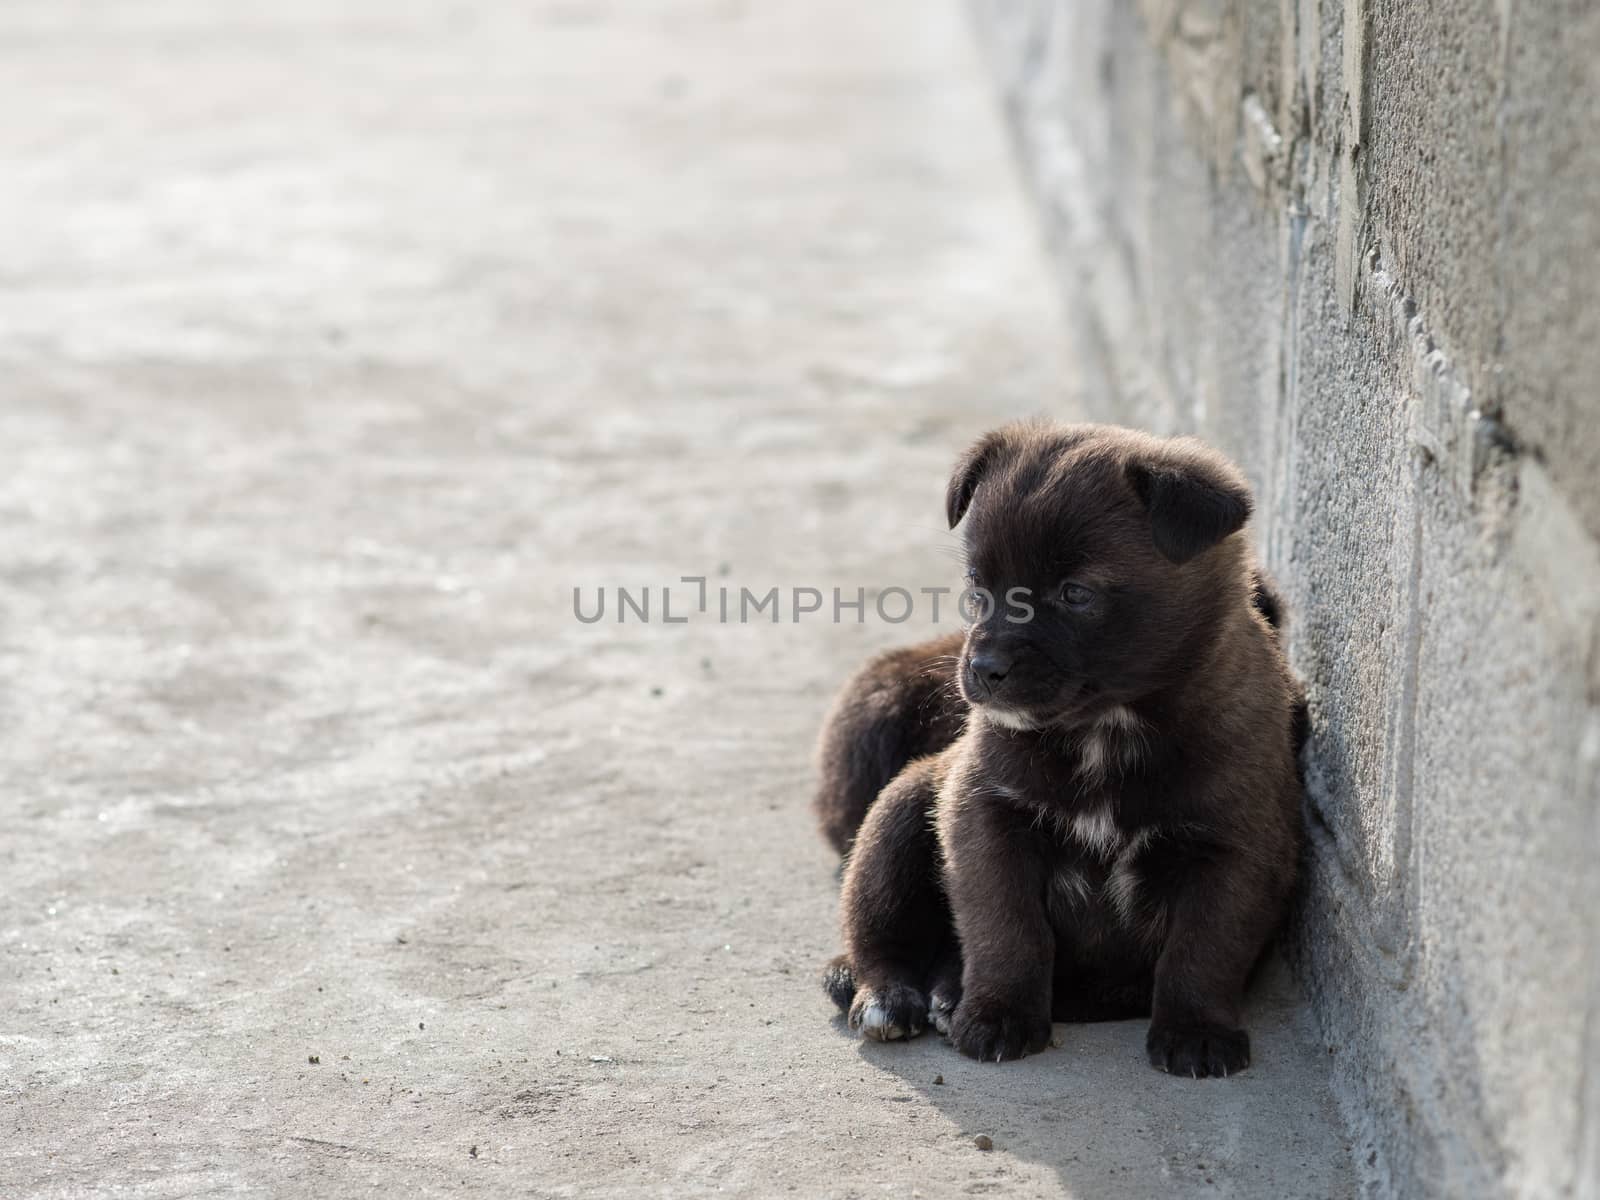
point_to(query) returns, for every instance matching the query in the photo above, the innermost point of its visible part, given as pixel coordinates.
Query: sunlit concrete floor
(338, 344)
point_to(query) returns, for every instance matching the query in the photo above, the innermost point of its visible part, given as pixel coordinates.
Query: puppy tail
(1268, 600)
(1300, 729)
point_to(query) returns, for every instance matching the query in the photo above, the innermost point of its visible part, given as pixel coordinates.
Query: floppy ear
(969, 472)
(1194, 496)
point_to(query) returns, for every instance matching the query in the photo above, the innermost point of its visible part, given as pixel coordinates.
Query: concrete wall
(1357, 244)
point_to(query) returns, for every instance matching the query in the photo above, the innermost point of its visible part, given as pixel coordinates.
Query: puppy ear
(969, 472)
(1194, 496)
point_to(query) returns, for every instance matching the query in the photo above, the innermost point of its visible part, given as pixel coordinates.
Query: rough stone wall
(1357, 244)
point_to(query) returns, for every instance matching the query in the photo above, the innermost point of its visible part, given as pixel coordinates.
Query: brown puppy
(1114, 830)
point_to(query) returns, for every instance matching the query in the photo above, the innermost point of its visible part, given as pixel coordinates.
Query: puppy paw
(1198, 1051)
(994, 1032)
(942, 1010)
(839, 981)
(889, 1014)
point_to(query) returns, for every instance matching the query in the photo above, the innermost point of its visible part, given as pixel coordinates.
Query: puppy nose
(989, 667)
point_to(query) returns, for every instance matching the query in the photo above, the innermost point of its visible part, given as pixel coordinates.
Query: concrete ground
(338, 343)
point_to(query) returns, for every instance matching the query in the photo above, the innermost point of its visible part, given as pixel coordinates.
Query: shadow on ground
(1091, 1109)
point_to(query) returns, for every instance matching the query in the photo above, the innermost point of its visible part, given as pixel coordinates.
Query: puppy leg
(1221, 917)
(996, 875)
(944, 989)
(894, 913)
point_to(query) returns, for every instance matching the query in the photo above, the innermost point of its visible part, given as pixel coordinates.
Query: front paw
(1197, 1050)
(890, 1013)
(994, 1032)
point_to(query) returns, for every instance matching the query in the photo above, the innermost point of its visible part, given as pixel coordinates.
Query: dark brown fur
(1094, 813)
(907, 699)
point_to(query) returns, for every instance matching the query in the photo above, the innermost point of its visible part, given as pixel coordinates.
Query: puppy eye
(1075, 595)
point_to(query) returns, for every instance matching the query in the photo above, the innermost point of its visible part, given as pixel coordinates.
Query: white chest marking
(1092, 756)
(1116, 734)
(1123, 885)
(1096, 831)
(1120, 718)
(1006, 718)
(1074, 886)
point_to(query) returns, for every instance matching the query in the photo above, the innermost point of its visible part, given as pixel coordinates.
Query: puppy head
(1111, 559)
